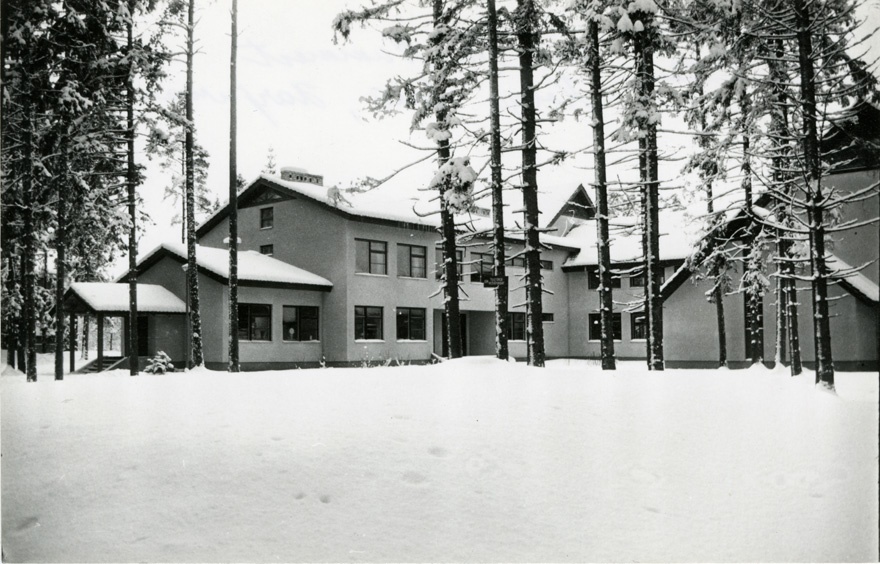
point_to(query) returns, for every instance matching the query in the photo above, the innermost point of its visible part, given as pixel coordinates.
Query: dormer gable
(263, 195)
(577, 208)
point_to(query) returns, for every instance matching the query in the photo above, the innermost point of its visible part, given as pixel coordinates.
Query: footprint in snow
(300, 495)
(439, 452)
(325, 498)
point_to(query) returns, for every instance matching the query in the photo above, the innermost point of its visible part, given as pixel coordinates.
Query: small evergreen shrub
(159, 364)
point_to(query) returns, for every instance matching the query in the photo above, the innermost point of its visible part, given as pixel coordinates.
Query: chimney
(295, 174)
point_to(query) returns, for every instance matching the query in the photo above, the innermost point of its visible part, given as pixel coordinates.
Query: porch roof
(112, 298)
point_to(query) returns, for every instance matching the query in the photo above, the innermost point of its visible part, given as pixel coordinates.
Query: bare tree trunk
(44, 329)
(606, 303)
(85, 337)
(30, 250)
(644, 55)
(192, 271)
(233, 200)
(133, 364)
(499, 268)
(60, 274)
(810, 143)
(447, 229)
(526, 36)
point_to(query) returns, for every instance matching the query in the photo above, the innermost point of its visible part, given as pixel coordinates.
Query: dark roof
(852, 142)
(577, 205)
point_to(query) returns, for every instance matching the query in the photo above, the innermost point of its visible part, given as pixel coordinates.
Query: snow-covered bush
(159, 364)
(457, 176)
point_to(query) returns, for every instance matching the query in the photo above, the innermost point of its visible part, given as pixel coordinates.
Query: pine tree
(233, 199)
(192, 271)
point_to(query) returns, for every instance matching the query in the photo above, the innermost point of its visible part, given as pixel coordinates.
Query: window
(516, 320)
(371, 256)
(547, 318)
(520, 262)
(482, 267)
(638, 326)
(410, 324)
(267, 250)
(255, 322)
(367, 322)
(593, 279)
(412, 261)
(438, 254)
(596, 326)
(637, 280)
(267, 218)
(300, 323)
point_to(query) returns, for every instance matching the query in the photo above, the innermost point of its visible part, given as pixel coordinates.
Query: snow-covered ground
(470, 460)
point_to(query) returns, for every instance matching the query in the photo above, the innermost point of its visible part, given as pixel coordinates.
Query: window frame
(593, 279)
(247, 320)
(299, 323)
(616, 326)
(271, 249)
(641, 327)
(438, 262)
(405, 268)
(361, 319)
(409, 311)
(478, 259)
(517, 319)
(267, 222)
(369, 258)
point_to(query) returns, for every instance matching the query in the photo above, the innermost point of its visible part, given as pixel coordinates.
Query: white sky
(300, 94)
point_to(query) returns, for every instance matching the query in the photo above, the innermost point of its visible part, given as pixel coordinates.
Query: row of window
(371, 257)
(638, 326)
(635, 280)
(298, 323)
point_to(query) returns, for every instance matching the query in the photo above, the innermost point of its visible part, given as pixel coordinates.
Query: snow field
(468, 460)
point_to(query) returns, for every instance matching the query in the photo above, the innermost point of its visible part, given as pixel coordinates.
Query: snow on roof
(394, 203)
(111, 296)
(252, 266)
(856, 279)
(678, 238)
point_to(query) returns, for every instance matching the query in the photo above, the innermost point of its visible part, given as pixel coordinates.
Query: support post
(100, 342)
(72, 334)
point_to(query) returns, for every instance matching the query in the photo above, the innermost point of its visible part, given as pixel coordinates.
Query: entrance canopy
(111, 298)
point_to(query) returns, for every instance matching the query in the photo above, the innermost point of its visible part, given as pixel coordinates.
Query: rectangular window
(255, 322)
(410, 324)
(371, 256)
(519, 262)
(412, 261)
(593, 279)
(637, 280)
(481, 267)
(638, 326)
(267, 218)
(595, 320)
(267, 250)
(546, 265)
(438, 262)
(547, 318)
(516, 321)
(367, 322)
(299, 323)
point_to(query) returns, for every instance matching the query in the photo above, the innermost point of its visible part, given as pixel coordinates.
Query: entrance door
(464, 339)
(143, 340)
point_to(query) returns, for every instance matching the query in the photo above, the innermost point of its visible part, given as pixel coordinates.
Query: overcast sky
(300, 94)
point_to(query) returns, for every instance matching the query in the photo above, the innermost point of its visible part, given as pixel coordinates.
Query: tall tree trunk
(754, 311)
(30, 249)
(192, 271)
(606, 303)
(815, 219)
(22, 323)
(447, 226)
(648, 168)
(85, 337)
(44, 329)
(60, 272)
(526, 38)
(133, 360)
(233, 200)
(501, 292)
(13, 319)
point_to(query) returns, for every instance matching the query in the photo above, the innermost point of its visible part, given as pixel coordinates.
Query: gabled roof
(110, 297)
(254, 269)
(382, 206)
(852, 142)
(578, 205)
(677, 242)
